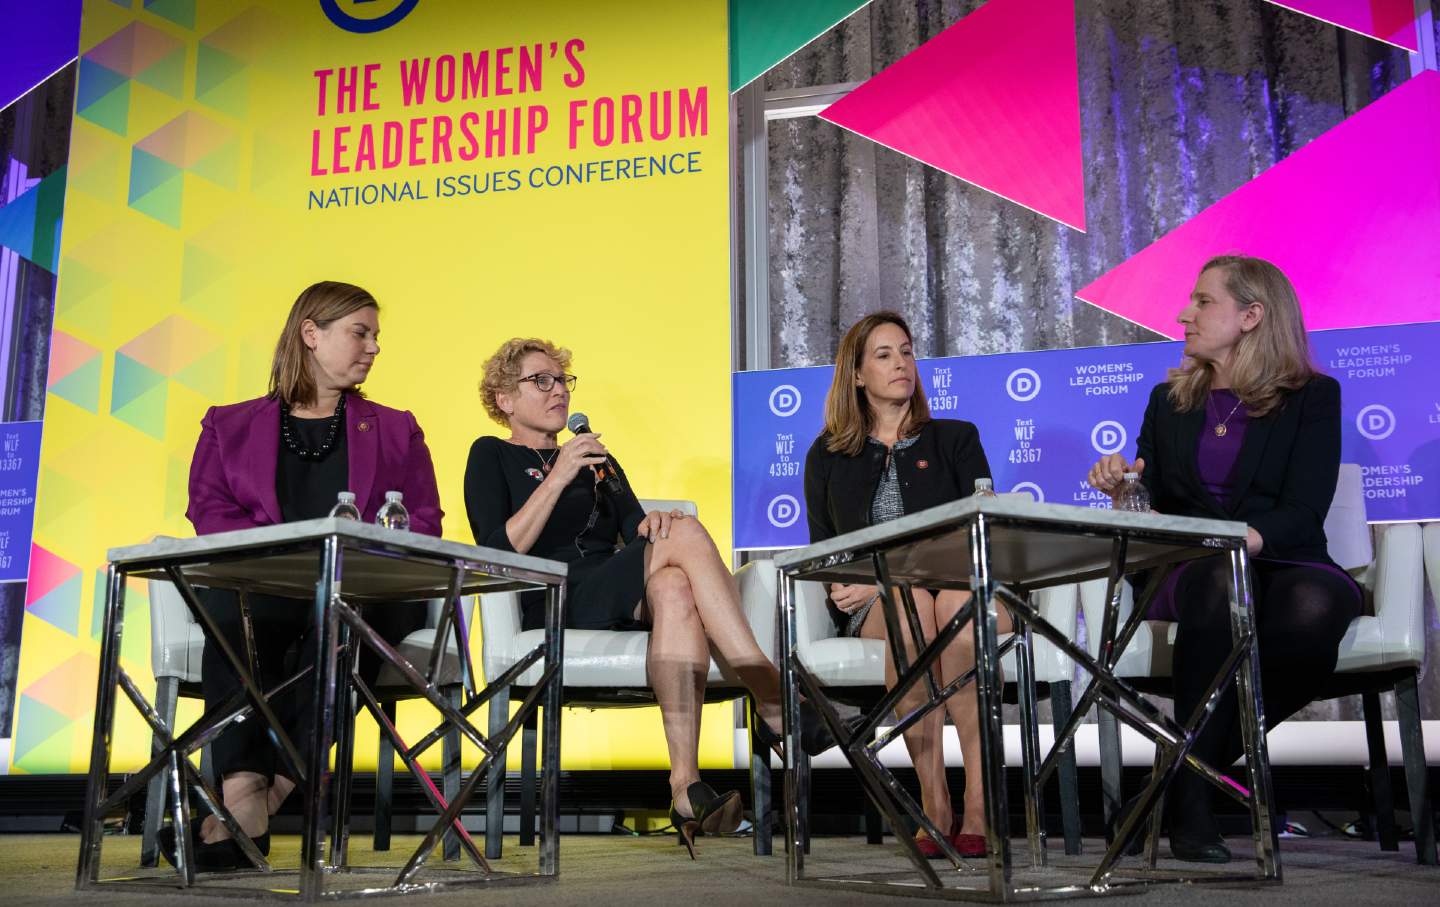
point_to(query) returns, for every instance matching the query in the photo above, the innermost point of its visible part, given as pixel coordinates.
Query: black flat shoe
(165, 838)
(218, 856)
(1198, 848)
(226, 855)
(711, 814)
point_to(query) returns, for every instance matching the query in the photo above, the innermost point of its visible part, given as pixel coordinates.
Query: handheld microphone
(607, 473)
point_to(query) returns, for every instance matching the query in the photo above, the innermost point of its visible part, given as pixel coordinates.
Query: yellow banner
(513, 167)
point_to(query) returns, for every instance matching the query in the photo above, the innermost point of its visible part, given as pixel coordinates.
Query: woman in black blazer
(881, 456)
(1245, 430)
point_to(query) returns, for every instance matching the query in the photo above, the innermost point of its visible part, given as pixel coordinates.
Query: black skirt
(603, 594)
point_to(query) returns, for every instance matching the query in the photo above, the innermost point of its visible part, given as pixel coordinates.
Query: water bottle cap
(394, 496)
(347, 497)
(1132, 476)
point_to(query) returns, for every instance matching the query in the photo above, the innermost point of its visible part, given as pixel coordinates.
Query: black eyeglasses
(545, 381)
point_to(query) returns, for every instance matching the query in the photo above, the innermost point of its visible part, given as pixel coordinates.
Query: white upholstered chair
(853, 670)
(1383, 650)
(602, 669)
(177, 645)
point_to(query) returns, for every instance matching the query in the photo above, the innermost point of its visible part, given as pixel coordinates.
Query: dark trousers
(1301, 614)
(284, 636)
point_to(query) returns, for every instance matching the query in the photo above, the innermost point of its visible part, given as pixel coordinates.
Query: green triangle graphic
(163, 202)
(42, 741)
(221, 166)
(83, 298)
(94, 82)
(763, 33)
(166, 74)
(82, 386)
(146, 411)
(111, 111)
(60, 607)
(181, 12)
(148, 172)
(49, 206)
(216, 82)
(132, 380)
(199, 270)
(206, 375)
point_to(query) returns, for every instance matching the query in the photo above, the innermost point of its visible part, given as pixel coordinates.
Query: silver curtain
(1181, 102)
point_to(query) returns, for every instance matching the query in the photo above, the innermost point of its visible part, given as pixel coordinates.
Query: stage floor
(610, 869)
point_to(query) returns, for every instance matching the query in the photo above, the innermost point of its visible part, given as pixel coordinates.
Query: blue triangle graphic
(17, 223)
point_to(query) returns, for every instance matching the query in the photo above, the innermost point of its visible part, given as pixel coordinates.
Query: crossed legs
(693, 603)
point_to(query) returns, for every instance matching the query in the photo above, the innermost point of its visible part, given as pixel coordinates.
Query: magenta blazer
(232, 476)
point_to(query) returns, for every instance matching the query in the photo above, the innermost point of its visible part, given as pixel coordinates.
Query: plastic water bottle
(984, 488)
(393, 514)
(345, 508)
(1132, 496)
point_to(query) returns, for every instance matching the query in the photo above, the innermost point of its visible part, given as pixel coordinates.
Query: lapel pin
(922, 464)
(363, 426)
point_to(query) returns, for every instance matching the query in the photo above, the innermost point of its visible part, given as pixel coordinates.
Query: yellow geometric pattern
(187, 236)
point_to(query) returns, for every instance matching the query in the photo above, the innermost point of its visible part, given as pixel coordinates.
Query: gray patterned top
(887, 505)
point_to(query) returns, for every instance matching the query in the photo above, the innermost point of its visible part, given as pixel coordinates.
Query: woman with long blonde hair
(880, 457)
(1246, 429)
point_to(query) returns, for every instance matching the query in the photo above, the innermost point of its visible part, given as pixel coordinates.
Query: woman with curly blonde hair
(628, 569)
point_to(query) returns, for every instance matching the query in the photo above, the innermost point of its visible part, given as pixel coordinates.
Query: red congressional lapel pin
(535, 474)
(922, 464)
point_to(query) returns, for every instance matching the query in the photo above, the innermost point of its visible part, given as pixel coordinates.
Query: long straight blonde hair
(848, 419)
(1269, 361)
(291, 381)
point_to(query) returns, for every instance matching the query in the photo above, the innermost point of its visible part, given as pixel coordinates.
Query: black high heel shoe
(711, 814)
(815, 736)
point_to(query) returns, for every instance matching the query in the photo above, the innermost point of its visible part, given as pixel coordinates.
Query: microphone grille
(579, 423)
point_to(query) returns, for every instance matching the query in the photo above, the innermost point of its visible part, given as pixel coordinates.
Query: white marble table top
(1031, 543)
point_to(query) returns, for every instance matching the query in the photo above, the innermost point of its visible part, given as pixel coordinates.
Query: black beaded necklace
(288, 435)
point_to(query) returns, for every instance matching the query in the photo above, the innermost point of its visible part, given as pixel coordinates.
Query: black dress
(606, 582)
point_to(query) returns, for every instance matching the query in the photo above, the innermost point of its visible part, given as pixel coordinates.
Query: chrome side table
(338, 565)
(1001, 550)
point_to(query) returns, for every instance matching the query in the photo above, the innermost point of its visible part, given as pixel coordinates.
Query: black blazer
(1284, 478)
(941, 466)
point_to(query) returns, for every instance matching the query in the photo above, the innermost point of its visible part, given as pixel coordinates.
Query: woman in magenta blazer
(277, 459)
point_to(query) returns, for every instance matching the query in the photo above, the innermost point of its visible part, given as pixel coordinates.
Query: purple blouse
(1216, 456)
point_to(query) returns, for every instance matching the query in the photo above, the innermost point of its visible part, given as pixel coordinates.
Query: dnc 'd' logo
(367, 16)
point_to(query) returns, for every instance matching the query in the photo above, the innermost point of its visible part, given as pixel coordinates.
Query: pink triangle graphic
(1392, 21)
(47, 572)
(1351, 218)
(66, 355)
(1017, 136)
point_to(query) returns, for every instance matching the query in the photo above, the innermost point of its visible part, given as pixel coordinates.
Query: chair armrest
(1092, 605)
(499, 625)
(1432, 562)
(758, 581)
(1399, 589)
(1059, 605)
(170, 630)
(812, 618)
(667, 504)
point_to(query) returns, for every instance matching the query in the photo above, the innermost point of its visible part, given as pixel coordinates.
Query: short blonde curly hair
(502, 370)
